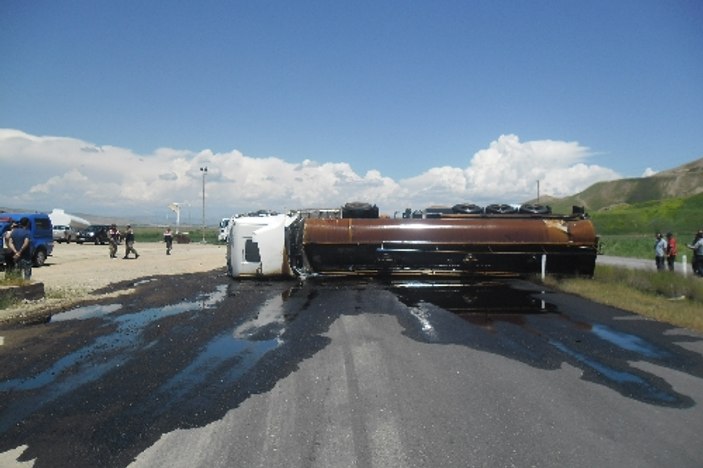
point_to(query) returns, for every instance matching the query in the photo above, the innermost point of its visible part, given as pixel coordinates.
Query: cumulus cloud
(80, 176)
(649, 172)
(507, 172)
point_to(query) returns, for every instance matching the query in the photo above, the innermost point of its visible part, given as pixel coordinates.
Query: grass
(9, 300)
(679, 215)
(667, 297)
(11, 281)
(156, 234)
(640, 245)
(629, 230)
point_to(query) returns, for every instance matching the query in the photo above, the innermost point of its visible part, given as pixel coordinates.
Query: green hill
(681, 182)
(678, 214)
(670, 200)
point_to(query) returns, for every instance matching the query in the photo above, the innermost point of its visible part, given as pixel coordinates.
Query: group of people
(114, 236)
(113, 239)
(17, 250)
(666, 250)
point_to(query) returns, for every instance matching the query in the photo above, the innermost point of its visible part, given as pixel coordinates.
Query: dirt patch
(75, 273)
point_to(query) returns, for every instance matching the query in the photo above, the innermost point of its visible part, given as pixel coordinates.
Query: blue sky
(430, 96)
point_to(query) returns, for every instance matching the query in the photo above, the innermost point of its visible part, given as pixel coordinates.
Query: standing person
(21, 245)
(129, 242)
(7, 251)
(697, 247)
(671, 250)
(113, 238)
(660, 252)
(168, 238)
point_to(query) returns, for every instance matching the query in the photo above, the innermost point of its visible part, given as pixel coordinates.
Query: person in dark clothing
(660, 252)
(20, 244)
(129, 243)
(168, 238)
(697, 247)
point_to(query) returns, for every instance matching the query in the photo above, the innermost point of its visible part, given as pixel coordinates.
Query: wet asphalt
(203, 370)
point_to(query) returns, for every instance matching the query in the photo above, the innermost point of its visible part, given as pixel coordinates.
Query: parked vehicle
(42, 240)
(95, 233)
(224, 230)
(63, 233)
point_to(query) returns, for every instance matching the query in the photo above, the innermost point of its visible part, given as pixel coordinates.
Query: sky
(113, 108)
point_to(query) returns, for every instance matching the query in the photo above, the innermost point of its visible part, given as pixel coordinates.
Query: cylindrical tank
(485, 230)
(501, 244)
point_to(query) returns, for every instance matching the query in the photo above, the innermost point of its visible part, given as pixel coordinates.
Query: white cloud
(649, 172)
(80, 176)
(507, 172)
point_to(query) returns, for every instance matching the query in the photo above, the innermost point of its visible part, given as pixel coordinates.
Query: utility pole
(204, 171)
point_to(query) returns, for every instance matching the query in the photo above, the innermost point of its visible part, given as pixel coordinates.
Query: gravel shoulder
(74, 272)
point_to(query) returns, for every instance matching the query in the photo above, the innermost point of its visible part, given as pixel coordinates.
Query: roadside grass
(12, 281)
(663, 296)
(7, 301)
(156, 234)
(64, 293)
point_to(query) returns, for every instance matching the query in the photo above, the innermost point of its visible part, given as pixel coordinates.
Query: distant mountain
(680, 182)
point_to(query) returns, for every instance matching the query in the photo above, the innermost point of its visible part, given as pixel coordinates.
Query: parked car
(42, 241)
(95, 233)
(63, 233)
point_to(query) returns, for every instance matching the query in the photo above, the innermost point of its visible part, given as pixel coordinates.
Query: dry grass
(55, 299)
(664, 296)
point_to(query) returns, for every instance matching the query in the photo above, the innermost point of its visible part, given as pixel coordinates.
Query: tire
(359, 210)
(467, 208)
(535, 209)
(500, 209)
(39, 257)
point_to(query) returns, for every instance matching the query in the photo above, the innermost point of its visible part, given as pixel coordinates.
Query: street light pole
(204, 171)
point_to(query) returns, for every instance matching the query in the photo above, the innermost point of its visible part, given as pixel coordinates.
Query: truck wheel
(535, 209)
(499, 208)
(467, 208)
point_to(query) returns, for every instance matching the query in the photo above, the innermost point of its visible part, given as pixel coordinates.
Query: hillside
(680, 182)
(683, 215)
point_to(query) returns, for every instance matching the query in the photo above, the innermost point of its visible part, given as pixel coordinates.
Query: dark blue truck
(42, 239)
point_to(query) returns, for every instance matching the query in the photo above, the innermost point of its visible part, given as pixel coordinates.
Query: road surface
(683, 264)
(200, 370)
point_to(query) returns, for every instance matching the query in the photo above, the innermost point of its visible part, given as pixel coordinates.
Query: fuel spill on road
(101, 383)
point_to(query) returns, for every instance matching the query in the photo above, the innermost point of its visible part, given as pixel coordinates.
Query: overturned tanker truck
(464, 241)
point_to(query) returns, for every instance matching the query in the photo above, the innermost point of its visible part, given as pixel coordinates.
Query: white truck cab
(256, 246)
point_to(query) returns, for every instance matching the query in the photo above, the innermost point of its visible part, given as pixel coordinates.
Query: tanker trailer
(452, 245)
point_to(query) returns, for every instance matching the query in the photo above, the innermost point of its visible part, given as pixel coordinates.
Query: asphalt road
(200, 370)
